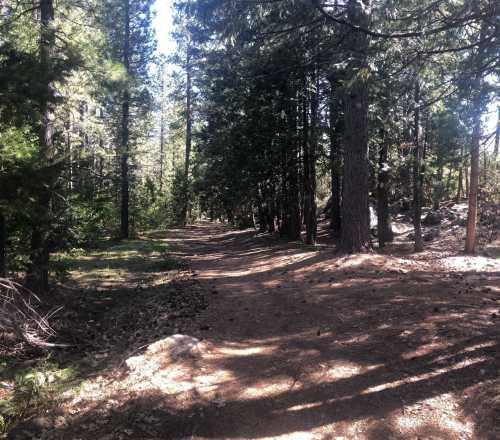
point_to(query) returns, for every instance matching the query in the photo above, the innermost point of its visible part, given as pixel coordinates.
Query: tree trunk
(497, 137)
(477, 88)
(124, 147)
(270, 207)
(485, 166)
(310, 147)
(37, 276)
(417, 173)
(162, 127)
(335, 157)
(460, 188)
(69, 152)
(189, 127)
(466, 173)
(355, 234)
(292, 207)
(470, 239)
(384, 227)
(3, 246)
(271, 212)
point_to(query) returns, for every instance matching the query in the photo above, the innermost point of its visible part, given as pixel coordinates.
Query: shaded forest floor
(276, 341)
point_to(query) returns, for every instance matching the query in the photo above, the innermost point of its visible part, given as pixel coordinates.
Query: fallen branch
(19, 315)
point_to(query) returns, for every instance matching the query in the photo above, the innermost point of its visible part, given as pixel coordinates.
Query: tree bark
(417, 173)
(271, 212)
(477, 89)
(162, 127)
(384, 226)
(37, 276)
(189, 136)
(291, 208)
(335, 157)
(355, 234)
(124, 147)
(460, 188)
(310, 148)
(470, 239)
(466, 173)
(3, 246)
(497, 137)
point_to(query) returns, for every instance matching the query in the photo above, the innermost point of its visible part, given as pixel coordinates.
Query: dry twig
(19, 315)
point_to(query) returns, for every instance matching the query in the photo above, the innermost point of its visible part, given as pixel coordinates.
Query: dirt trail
(299, 343)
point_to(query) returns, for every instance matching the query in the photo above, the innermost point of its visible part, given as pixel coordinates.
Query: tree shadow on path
(317, 346)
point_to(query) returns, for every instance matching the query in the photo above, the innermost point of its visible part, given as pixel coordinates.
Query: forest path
(310, 345)
(300, 343)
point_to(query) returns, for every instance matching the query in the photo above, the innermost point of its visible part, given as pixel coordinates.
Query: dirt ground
(298, 342)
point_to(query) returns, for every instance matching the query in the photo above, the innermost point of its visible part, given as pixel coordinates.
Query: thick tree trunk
(189, 136)
(124, 147)
(355, 234)
(335, 157)
(37, 276)
(417, 173)
(384, 227)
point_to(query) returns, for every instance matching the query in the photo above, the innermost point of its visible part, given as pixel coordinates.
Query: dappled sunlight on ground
(137, 261)
(301, 343)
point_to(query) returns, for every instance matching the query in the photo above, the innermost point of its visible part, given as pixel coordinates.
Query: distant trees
(128, 28)
(290, 85)
(64, 71)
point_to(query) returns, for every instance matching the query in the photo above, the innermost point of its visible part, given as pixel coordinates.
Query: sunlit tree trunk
(189, 136)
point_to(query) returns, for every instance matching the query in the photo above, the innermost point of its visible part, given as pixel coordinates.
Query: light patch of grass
(121, 262)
